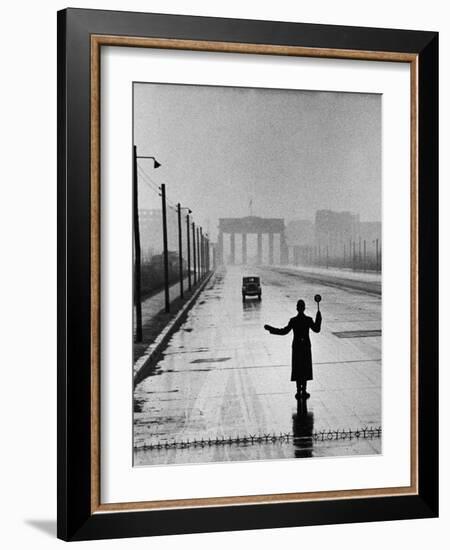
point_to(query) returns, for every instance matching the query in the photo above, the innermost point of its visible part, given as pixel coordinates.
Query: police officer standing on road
(301, 370)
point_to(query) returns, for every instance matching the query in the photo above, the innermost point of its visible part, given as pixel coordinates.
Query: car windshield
(250, 280)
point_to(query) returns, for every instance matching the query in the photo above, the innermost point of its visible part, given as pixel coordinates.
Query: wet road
(223, 378)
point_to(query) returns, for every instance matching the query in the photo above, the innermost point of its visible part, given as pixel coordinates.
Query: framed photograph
(247, 255)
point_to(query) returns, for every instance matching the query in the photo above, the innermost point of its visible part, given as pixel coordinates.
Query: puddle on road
(190, 351)
(166, 391)
(211, 360)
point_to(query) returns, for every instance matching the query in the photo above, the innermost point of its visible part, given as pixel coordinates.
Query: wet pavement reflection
(302, 429)
(222, 390)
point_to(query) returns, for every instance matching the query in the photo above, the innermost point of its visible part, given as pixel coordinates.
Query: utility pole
(188, 250)
(137, 252)
(165, 250)
(199, 256)
(180, 250)
(200, 252)
(203, 252)
(204, 255)
(194, 253)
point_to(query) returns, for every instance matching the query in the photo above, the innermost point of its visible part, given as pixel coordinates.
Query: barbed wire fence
(317, 437)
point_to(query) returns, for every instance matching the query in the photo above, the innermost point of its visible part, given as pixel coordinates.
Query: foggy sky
(291, 152)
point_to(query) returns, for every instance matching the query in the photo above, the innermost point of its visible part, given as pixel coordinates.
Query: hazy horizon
(288, 152)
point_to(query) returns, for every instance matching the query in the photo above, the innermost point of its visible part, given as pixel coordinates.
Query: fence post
(364, 261)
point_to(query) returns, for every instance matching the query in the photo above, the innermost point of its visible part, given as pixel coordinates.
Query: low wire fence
(316, 436)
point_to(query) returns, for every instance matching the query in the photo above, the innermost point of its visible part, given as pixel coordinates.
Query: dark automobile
(251, 286)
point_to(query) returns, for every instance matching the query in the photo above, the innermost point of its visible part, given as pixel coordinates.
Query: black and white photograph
(225, 255)
(257, 274)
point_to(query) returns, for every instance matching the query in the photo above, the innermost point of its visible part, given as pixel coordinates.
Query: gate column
(232, 247)
(271, 248)
(283, 250)
(244, 248)
(259, 248)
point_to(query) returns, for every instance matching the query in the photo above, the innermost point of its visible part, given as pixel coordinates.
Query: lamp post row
(200, 249)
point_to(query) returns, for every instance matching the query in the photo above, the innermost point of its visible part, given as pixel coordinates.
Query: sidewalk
(358, 280)
(154, 304)
(154, 316)
(346, 273)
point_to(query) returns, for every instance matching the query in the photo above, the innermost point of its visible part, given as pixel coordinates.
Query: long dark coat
(301, 369)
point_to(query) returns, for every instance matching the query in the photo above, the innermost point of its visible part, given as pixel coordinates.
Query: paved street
(223, 377)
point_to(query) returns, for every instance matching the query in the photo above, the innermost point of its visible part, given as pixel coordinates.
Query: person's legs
(304, 392)
(299, 389)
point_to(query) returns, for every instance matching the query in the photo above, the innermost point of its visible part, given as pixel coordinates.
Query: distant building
(335, 239)
(334, 229)
(340, 234)
(300, 233)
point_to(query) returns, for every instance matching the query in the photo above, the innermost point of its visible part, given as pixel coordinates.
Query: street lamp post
(199, 256)
(180, 247)
(165, 249)
(180, 250)
(137, 253)
(188, 243)
(137, 245)
(194, 255)
(200, 253)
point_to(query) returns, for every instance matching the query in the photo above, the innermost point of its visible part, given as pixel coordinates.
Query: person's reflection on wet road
(302, 428)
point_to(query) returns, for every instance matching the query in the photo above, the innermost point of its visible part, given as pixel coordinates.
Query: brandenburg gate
(251, 225)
